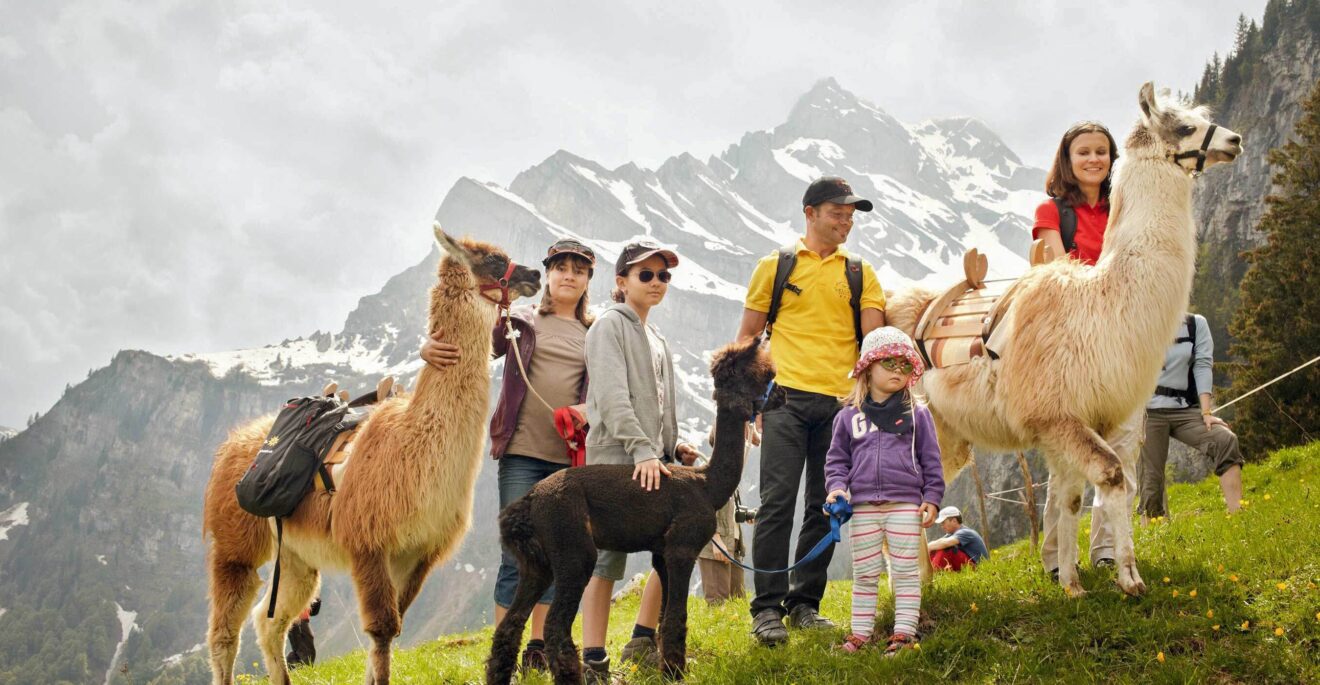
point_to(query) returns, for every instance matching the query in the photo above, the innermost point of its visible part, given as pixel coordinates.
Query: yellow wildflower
(1192, 593)
(1209, 613)
(1267, 497)
(1233, 577)
(1215, 627)
(1166, 580)
(917, 646)
(1175, 593)
(1221, 568)
(1278, 631)
(1160, 657)
(1281, 586)
(1246, 625)
(974, 607)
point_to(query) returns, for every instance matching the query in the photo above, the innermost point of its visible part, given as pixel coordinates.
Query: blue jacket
(875, 466)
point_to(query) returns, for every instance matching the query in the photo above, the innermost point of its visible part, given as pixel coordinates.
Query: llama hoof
(674, 668)
(1074, 589)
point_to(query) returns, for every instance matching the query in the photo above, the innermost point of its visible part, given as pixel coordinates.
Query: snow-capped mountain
(108, 484)
(939, 187)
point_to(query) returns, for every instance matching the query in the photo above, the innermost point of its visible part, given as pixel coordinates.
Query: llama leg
(298, 585)
(532, 583)
(658, 564)
(1066, 485)
(412, 582)
(1117, 502)
(378, 605)
(679, 560)
(565, 663)
(234, 587)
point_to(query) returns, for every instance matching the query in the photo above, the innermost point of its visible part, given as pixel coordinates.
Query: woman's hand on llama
(686, 453)
(928, 513)
(437, 352)
(836, 494)
(648, 473)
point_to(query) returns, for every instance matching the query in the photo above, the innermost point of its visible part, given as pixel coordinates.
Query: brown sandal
(898, 642)
(853, 643)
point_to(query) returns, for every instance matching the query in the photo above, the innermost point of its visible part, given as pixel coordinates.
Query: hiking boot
(768, 627)
(803, 616)
(643, 650)
(596, 672)
(1103, 562)
(534, 659)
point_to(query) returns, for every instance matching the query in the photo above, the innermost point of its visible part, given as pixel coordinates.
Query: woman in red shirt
(1080, 179)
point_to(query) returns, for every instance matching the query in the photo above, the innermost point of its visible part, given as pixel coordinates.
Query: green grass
(1257, 571)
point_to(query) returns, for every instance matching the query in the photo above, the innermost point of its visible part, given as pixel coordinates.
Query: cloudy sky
(166, 166)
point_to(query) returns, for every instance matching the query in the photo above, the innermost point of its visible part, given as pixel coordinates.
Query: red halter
(502, 285)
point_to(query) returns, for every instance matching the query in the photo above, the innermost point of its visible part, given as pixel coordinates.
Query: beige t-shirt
(556, 370)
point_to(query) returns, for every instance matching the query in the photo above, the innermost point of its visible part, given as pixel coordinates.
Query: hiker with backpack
(1072, 223)
(815, 301)
(525, 431)
(1181, 408)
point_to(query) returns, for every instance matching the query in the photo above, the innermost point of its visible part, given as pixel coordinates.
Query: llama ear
(1146, 98)
(450, 246)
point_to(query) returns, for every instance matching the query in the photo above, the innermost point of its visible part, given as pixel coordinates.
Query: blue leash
(840, 511)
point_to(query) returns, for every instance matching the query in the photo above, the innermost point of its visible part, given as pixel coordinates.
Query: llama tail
(518, 535)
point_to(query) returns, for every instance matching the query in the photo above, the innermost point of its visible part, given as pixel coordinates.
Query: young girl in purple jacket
(885, 461)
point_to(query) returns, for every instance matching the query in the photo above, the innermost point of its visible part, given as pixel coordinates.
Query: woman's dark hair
(547, 301)
(1061, 182)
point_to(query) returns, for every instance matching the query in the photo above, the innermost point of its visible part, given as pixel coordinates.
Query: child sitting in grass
(885, 461)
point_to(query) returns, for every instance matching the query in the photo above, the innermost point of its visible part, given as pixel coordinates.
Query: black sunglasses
(645, 276)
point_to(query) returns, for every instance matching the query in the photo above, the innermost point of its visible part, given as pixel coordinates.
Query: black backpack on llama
(292, 455)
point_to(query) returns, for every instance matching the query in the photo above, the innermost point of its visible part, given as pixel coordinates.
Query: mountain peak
(830, 98)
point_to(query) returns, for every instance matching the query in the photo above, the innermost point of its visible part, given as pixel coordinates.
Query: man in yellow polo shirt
(814, 346)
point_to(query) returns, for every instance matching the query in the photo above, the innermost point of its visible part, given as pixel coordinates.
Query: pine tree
(1277, 325)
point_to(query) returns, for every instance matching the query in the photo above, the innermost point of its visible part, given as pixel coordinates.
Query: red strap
(574, 438)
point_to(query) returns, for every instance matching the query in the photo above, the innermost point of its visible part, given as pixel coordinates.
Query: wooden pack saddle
(957, 326)
(336, 460)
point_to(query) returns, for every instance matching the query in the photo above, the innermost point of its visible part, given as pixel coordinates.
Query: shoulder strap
(1193, 397)
(783, 269)
(853, 272)
(1067, 224)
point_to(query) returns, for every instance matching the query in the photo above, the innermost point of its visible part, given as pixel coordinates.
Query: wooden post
(1030, 500)
(980, 502)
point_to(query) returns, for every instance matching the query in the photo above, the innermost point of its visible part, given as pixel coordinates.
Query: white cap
(947, 513)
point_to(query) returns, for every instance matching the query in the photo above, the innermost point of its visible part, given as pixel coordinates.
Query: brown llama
(1084, 345)
(404, 501)
(557, 528)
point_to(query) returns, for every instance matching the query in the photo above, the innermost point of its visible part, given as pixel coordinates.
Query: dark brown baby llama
(556, 530)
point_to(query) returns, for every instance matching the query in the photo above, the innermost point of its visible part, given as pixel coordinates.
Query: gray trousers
(1127, 443)
(1219, 444)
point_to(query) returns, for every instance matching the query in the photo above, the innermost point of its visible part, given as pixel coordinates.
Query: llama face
(489, 264)
(1181, 131)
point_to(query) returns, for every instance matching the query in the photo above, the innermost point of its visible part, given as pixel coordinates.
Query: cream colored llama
(405, 498)
(1085, 345)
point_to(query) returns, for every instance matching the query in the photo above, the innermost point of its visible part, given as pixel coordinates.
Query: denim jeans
(517, 475)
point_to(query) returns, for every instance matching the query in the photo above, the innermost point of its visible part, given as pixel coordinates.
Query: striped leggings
(872, 525)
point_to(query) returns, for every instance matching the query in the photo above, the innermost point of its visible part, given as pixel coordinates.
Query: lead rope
(565, 425)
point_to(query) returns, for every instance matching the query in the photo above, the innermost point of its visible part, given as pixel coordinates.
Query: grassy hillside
(1232, 599)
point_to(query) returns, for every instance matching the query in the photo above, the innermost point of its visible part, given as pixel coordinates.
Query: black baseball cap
(836, 190)
(641, 251)
(567, 246)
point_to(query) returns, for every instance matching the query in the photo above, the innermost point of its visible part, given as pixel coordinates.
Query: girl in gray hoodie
(631, 413)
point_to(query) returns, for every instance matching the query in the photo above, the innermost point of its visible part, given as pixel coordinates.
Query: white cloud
(184, 176)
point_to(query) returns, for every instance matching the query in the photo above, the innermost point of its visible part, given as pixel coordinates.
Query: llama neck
(467, 320)
(726, 461)
(1144, 277)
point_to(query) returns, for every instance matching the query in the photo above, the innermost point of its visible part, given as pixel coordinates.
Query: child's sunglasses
(645, 276)
(896, 364)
